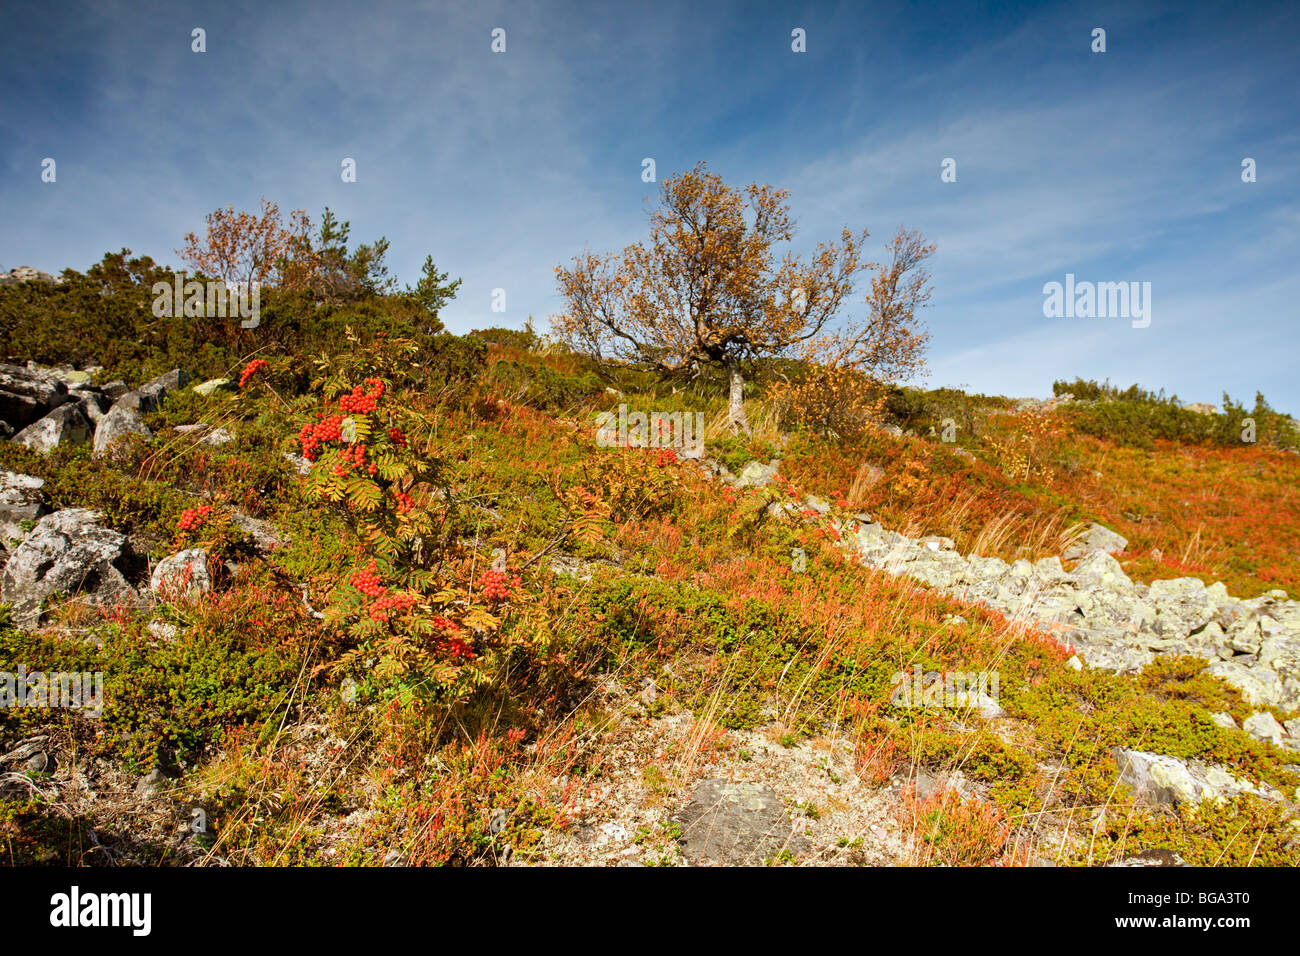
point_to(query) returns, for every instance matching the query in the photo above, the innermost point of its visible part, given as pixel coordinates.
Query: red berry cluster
(193, 518)
(391, 604)
(251, 369)
(329, 428)
(404, 501)
(665, 456)
(385, 605)
(355, 458)
(499, 585)
(367, 581)
(362, 401)
(456, 648)
(396, 437)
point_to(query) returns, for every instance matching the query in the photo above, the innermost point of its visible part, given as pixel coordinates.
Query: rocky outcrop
(1160, 779)
(27, 274)
(1110, 621)
(47, 407)
(67, 553)
(27, 396)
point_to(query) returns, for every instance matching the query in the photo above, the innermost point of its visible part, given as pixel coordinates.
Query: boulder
(93, 404)
(1096, 538)
(67, 553)
(187, 572)
(211, 436)
(66, 425)
(165, 384)
(21, 499)
(115, 426)
(138, 401)
(1261, 687)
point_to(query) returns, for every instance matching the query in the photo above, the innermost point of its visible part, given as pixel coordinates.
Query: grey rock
(21, 499)
(214, 436)
(93, 404)
(1095, 538)
(1156, 857)
(299, 462)
(757, 475)
(263, 533)
(734, 824)
(120, 422)
(152, 783)
(188, 571)
(67, 553)
(1260, 687)
(159, 388)
(26, 396)
(138, 401)
(1264, 726)
(65, 425)
(1161, 779)
(1224, 719)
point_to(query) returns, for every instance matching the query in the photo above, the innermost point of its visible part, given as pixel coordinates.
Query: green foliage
(539, 385)
(1143, 422)
(1089, 390)
(170, 701)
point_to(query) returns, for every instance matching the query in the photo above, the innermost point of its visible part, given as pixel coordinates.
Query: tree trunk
(736, 409)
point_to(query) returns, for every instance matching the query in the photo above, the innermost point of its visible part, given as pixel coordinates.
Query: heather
(441, 612)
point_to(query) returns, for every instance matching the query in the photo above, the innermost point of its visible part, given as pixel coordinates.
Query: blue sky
(1122, 166)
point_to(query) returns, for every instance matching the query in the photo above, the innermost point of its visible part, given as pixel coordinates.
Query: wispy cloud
(1118, 166)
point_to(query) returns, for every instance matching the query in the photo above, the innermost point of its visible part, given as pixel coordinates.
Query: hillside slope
(396, 603)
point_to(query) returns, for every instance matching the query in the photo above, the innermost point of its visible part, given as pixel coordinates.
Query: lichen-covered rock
(67, 553)
(115, 426)
(1264, 726)
(212, 386)
(736, 824)
(1095, 538)
(26, 396)
(21, 499)
(1161, 779)
(169, 382)
(186, 573)
(756, 474)
(66, 425)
